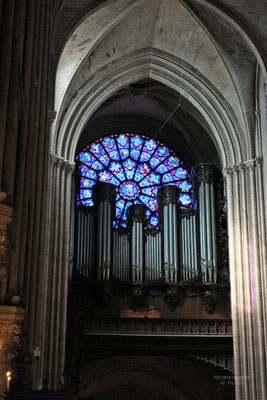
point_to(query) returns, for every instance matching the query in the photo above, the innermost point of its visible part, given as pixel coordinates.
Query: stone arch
(169, 71)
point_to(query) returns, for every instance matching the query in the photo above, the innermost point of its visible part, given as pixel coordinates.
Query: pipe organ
(183, 247)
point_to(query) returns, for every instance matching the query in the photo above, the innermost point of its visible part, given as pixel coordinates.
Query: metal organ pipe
(137, 216)
(168, 201)
(205, 176)
(104, 195)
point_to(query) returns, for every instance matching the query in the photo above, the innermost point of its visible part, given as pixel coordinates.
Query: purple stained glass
(87, 183)
(129, 190)
(123, 141)
(145, 156)
(185, 199)
(87, 172)
(137, 166)
(154, 221)
(88, 203)
(85, 193)
(150, 146)
(86, 158)
(185, 186)
(162, 168)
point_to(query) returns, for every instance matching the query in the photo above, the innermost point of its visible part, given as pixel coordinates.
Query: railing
(157, 326)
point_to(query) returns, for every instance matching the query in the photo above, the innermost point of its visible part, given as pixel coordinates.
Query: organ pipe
(188, 239)
(121, 254)
(205, 176)
(168, 202)
(104, 199)
(153, 255)
(136, 218)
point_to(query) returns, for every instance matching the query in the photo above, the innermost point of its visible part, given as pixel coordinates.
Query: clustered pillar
(104, 194)
(168, 200)
(205, 175)
(137, 217)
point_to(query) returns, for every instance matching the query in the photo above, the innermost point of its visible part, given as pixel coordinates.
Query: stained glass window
(137, 166)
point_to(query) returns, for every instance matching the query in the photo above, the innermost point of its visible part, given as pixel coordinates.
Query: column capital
(137, 213)
(205, 173)
(168, 195)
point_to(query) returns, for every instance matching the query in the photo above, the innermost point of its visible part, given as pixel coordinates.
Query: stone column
(168, 202)
(247, 251)
(205, 176)
(51, 308)
(137, 217)
(104, 200)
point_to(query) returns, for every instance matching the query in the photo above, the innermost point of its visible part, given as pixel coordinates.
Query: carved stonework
(205, 173)
(171, 297)
(209, 300)
(137, 213)
(10, 341)
(168, 195)
(138, 296)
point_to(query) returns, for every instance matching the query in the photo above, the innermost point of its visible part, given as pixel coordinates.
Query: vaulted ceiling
(218, 42)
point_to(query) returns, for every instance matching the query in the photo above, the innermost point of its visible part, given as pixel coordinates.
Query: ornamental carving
(10, 341)
(209, 300)
(171, 297)
(168, 195)
(205, 173)
(137, 213)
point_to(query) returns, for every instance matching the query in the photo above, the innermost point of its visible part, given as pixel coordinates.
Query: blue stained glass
(163, 151)
(121, 176)
(86, 183)
(104, 159)
(85, 193)
(154, 221)
(115, 167)
(129, 164)
(145, 156)
(86, 158)
(136, 141)
(135, 154)
(97, 166)
(185, 186)
(147, 213)
(105, 176)
(115, 224)
(119, 211)
(129, 190)
(161, 169)
(173, 162)
(123, 141)
(150, 191)
(153, 204)
(114, 155)
(135, 183)
(150, 145)
(145, 199)
(180, 173)
(167, 178)
(153, 178)
(89, 173)
(96, 148)
(88, 203)
(109, 143)
(185, 199)
(124, 153)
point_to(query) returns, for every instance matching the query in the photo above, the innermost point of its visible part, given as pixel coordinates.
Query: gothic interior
(133, 199)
